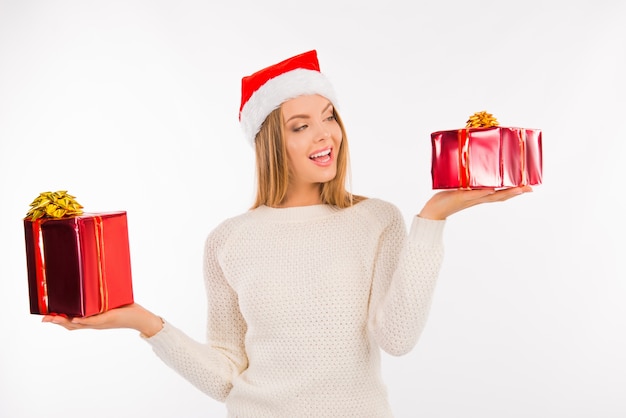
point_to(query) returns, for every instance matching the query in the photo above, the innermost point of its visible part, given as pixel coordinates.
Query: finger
(506, 194)
(468, 194)
(89, 322)
(99, 321)
(476, 195)
(69, 323)
(60, 320)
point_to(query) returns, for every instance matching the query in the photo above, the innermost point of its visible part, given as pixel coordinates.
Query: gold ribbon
(464, 157)
(486, 120)
(48, 205)
(477, 120)
(522, 151)
(481, 120)
(102, 282)
(40, 266)
(54, 205)
(57, 205)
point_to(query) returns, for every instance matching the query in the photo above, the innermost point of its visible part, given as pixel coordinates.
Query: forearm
(401, 313)
(208, 367)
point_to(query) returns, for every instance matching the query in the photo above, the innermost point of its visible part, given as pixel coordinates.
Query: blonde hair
(272, 168)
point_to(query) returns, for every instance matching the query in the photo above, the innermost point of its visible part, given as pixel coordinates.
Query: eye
(331, 118)
(300, 128)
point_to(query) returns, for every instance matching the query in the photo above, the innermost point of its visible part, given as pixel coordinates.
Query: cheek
(336, 134)
(338, 137)
(294, 151)
(289, 158)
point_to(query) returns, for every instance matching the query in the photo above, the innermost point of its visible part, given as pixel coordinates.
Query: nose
(323, 132)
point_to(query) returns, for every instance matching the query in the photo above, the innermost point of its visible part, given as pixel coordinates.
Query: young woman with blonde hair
(306, 287)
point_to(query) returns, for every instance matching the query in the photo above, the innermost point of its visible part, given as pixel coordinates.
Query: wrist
(150, 325)
(431, 215)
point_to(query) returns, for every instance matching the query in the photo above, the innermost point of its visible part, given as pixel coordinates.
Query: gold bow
(481, 120)
(54, 205)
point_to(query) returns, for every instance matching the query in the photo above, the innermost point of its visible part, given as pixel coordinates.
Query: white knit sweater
(299, 302)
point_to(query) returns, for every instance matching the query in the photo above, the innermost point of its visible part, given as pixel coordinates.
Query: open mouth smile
(323, 156)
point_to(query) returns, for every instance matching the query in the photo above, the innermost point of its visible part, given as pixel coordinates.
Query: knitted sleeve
(405, 273)
(213, 365)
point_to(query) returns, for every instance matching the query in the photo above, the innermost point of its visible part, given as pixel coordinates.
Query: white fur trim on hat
(276, 91)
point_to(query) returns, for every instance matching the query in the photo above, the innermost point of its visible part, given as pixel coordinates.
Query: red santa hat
(267, 89)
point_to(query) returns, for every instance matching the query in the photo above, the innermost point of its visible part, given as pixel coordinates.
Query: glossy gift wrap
(486, 157)
(78, 265)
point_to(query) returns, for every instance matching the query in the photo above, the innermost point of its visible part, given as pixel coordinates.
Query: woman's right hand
(131, 316)
(448, 202)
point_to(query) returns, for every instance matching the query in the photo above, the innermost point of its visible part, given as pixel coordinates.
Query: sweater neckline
(296, 213)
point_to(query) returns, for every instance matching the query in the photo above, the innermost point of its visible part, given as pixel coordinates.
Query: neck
(303, 197)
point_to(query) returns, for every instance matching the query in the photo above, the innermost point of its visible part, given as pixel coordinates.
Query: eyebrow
(304, 116)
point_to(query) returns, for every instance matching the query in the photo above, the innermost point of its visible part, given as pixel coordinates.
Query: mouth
(322, 156)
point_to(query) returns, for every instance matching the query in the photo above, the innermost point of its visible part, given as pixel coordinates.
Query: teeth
(320, 154)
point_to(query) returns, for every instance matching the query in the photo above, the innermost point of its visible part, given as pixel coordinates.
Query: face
(312, 137)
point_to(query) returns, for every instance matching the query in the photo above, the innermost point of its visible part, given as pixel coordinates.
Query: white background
(132, 105)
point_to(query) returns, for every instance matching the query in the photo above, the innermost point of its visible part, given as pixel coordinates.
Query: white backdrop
(132, 105)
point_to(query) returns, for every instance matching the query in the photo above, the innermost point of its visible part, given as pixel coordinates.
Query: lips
(321, 156)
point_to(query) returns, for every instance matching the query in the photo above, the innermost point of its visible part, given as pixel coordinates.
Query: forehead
(307, 104)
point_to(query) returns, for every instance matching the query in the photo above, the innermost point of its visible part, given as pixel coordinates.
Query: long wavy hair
(272, 168)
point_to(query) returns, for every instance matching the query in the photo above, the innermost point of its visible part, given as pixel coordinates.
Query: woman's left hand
(132, 316)
(447, 202)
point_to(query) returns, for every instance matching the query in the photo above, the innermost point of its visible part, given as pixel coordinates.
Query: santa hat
(267, 89)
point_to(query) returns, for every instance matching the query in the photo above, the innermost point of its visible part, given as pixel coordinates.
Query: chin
(329, 177)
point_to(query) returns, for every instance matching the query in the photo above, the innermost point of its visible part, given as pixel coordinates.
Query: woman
(306, 287)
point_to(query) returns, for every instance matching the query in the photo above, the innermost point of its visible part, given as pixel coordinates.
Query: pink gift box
(494, 157)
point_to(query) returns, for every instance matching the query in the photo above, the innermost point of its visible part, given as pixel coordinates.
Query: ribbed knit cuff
(163, 339)
(427, 231)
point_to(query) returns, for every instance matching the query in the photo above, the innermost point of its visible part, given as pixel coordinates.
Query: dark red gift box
(78, 265)
(493, 157)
